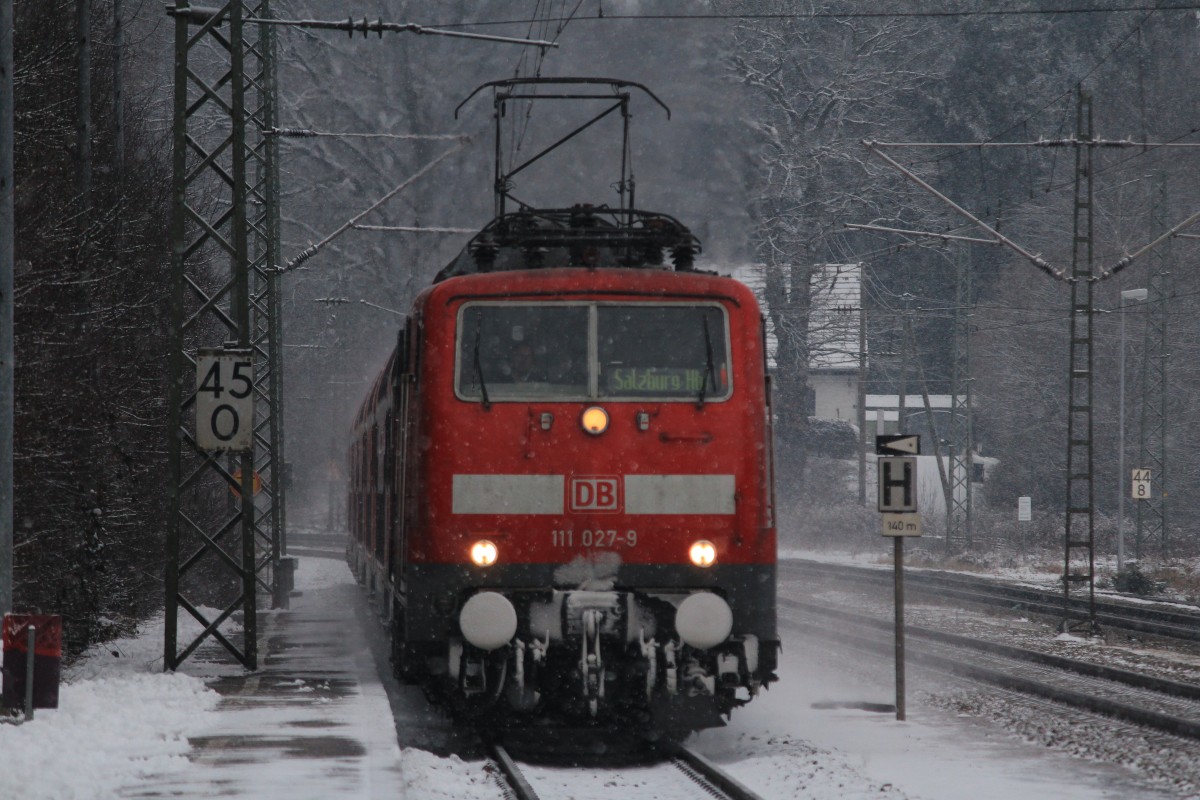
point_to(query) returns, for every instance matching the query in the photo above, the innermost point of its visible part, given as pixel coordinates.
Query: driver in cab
(521, 368)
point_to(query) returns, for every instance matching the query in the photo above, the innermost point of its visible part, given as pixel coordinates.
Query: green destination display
(664, 380)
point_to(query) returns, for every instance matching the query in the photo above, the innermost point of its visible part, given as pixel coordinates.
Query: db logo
(593, 494)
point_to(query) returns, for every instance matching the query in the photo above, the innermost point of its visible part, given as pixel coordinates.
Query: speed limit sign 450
(224, 399)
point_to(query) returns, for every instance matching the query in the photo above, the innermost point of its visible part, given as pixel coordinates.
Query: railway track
(317, 545)
(325, 540)
(515, 780)
(1168, 706)
(1156, 621)
(709, 779)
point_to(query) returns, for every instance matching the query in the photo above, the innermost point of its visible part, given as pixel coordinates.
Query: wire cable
(839, 15)
(517, 140)
(310, 251)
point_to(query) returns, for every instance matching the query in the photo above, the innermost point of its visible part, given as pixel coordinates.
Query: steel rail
(1159, 622)
(1117, 675)
(695, 765)
(338, 540)
(714, 780)
(512, 773)
(1089, 701)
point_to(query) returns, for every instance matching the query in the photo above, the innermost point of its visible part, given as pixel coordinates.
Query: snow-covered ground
(118, 717)
(126, 729)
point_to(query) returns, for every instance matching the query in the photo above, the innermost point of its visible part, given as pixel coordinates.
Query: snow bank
(106, 733)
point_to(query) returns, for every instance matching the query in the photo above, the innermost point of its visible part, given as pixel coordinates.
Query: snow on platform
(312, 722)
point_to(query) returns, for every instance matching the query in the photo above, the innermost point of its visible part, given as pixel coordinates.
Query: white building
(835, 317)
(833, 339)
(833, 336)
(834, 320)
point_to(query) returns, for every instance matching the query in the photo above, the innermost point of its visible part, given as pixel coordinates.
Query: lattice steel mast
(224, 219)
(958, 525)
(267, 318)
(1079, 562)
(1152, 436)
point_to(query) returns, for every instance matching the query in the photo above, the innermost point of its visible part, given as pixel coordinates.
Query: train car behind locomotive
(561, 480)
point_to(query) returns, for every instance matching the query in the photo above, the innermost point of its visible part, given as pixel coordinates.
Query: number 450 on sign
(224, 399)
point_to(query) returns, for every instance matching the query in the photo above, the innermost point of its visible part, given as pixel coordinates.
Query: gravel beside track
(1169, 707)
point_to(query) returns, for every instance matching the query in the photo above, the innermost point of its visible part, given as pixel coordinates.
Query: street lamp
(1136, 295)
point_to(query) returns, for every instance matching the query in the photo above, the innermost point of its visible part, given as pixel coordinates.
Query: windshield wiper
(483, 395)
(710, 369)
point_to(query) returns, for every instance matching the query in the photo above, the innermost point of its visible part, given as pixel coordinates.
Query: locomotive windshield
(582, 351)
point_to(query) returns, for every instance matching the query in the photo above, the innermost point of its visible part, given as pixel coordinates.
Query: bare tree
(822, 85)
(90, 336)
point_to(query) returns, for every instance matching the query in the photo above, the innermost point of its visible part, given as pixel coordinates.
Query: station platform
(315, 719)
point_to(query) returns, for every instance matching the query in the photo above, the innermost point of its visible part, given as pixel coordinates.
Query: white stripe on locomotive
(644, 494)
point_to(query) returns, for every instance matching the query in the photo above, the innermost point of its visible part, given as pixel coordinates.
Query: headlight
(594, 420)
(703, 553)
(484, 553)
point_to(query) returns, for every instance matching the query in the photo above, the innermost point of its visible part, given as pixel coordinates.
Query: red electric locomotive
(561, 480)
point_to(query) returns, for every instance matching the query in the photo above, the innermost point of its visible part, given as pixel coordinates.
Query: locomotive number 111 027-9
(593, 538)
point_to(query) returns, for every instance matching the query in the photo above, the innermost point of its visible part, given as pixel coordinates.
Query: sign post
(1024, 514)
(898, 506)
(1139, 489)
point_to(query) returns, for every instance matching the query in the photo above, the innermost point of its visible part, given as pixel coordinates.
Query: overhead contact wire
(313, 249)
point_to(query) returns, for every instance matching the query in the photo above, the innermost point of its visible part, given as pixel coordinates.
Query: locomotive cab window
(583, 351)
(522, 352)
(662, 352)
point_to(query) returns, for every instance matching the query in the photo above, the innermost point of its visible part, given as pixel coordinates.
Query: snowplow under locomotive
(561, 480)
